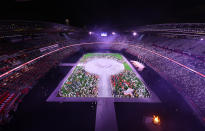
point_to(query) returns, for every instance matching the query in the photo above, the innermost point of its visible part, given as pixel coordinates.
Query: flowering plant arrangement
(79, 84)
(126, 84)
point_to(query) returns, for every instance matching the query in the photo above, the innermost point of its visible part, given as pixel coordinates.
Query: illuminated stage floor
(104, 68)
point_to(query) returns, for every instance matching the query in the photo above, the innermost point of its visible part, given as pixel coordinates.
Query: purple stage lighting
(113, 33)
(202, 39)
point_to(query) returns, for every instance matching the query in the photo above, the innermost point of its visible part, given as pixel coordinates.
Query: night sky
(106, 12)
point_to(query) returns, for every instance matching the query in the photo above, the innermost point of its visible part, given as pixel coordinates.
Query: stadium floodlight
(134, 33)
(113, 33)
(103, 34)
(90, 33)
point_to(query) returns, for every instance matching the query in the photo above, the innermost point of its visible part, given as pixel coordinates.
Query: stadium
(57, 76)
(98, 84)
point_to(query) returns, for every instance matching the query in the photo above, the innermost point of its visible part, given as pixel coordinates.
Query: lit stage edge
(54, 98)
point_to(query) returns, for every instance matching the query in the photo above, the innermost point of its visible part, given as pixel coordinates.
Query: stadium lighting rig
(103, 34)
(90, 32)
(134, 33)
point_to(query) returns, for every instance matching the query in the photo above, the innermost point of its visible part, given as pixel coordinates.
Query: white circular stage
(104, 68)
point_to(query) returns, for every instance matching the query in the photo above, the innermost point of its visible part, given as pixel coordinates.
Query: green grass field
(127, 67)
(114, 55)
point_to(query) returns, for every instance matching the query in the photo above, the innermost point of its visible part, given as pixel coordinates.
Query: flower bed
(126, 84)
(79, 84)
(83, 84)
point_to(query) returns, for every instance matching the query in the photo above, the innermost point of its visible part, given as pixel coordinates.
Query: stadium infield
(102, 75)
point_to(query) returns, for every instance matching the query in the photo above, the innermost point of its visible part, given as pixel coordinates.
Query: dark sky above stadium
(106, 12)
